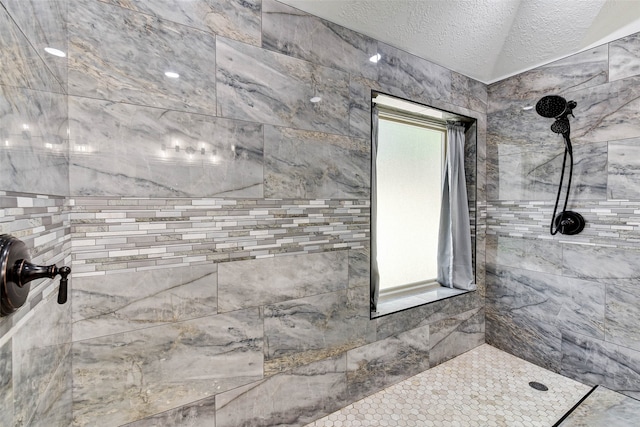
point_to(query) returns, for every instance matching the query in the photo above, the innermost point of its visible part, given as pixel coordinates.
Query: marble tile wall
(218, 223)
(33, 104)
(568, 303)
(35, 370)
(35, 340)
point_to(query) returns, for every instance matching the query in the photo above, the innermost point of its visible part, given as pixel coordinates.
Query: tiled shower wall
(568, 303)
(219, 221)
(35, 342)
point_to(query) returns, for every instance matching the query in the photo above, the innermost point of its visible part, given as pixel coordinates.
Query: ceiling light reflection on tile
(375, 58)
(315, 99)
(172, 74)
(55, 52)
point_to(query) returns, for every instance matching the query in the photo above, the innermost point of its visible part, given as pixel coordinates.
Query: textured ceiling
(487, 40)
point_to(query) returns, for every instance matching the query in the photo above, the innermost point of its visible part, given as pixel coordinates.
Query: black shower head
(551, 106)
(560, 126)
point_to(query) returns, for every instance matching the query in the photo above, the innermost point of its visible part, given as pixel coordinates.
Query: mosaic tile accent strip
(614, 223)
(484, 386)
(120, 234)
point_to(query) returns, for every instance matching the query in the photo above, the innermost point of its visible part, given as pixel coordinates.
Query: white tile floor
(483, 387)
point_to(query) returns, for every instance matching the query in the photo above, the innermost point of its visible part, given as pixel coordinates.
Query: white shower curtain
(454, 242)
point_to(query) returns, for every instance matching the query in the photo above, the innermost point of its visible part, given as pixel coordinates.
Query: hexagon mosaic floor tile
(483, 387)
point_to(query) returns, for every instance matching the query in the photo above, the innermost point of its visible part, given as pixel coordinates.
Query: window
(409, 170)
(408, 165)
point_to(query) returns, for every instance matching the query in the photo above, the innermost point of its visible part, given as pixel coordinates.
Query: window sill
(405, 302)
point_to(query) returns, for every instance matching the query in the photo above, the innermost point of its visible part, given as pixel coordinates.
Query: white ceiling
(487, 40)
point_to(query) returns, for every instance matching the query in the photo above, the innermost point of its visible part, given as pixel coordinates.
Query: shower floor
(483, 387)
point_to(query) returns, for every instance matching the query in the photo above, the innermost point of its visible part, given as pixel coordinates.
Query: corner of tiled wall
(567, 303)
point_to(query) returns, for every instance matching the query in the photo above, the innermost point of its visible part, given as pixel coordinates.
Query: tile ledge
(406, 302)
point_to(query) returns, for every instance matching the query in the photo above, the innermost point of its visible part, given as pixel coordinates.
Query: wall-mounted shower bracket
(17, 271)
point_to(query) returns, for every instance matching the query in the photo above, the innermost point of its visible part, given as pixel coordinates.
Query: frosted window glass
(409, 177)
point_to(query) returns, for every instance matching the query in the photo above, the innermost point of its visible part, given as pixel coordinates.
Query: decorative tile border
(614, 223)
(132, 234)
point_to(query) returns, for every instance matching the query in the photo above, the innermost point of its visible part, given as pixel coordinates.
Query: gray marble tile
(455, 335)
(120, 55)
(117, 150)
(569, 304)
(39, 351)
(413, 78)
(622, 311)
(480, 256)
(236, 19)
(604, 407)
(200, 413)
(624, 57)
(33, 141)
(590, 175)
(602, 264)
(513, 170)
(259, 282)
(607, 112)
(532, 171)
(359, 303)
(144, 372)
(470, 162)
(595, 362)
(481, 158)
(468, 93)
(359, 267)
(267, 87)
(44, 24)
(399, 322)
(380, 364)
(54, 406)
(624, 169)
(524, 156)
(586, 360)
(360, 106)
(531, 340)
(105, 305)
(544, 256)
(6, 385)
(21, 65)
(582, 70)
(286, 30)
(308, 165)
(295, 398)
(305, 330)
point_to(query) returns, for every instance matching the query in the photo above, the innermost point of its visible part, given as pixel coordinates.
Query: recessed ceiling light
(172, 74)
(55, 52)
(528, 107)
(315, 99)
(375, 58)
